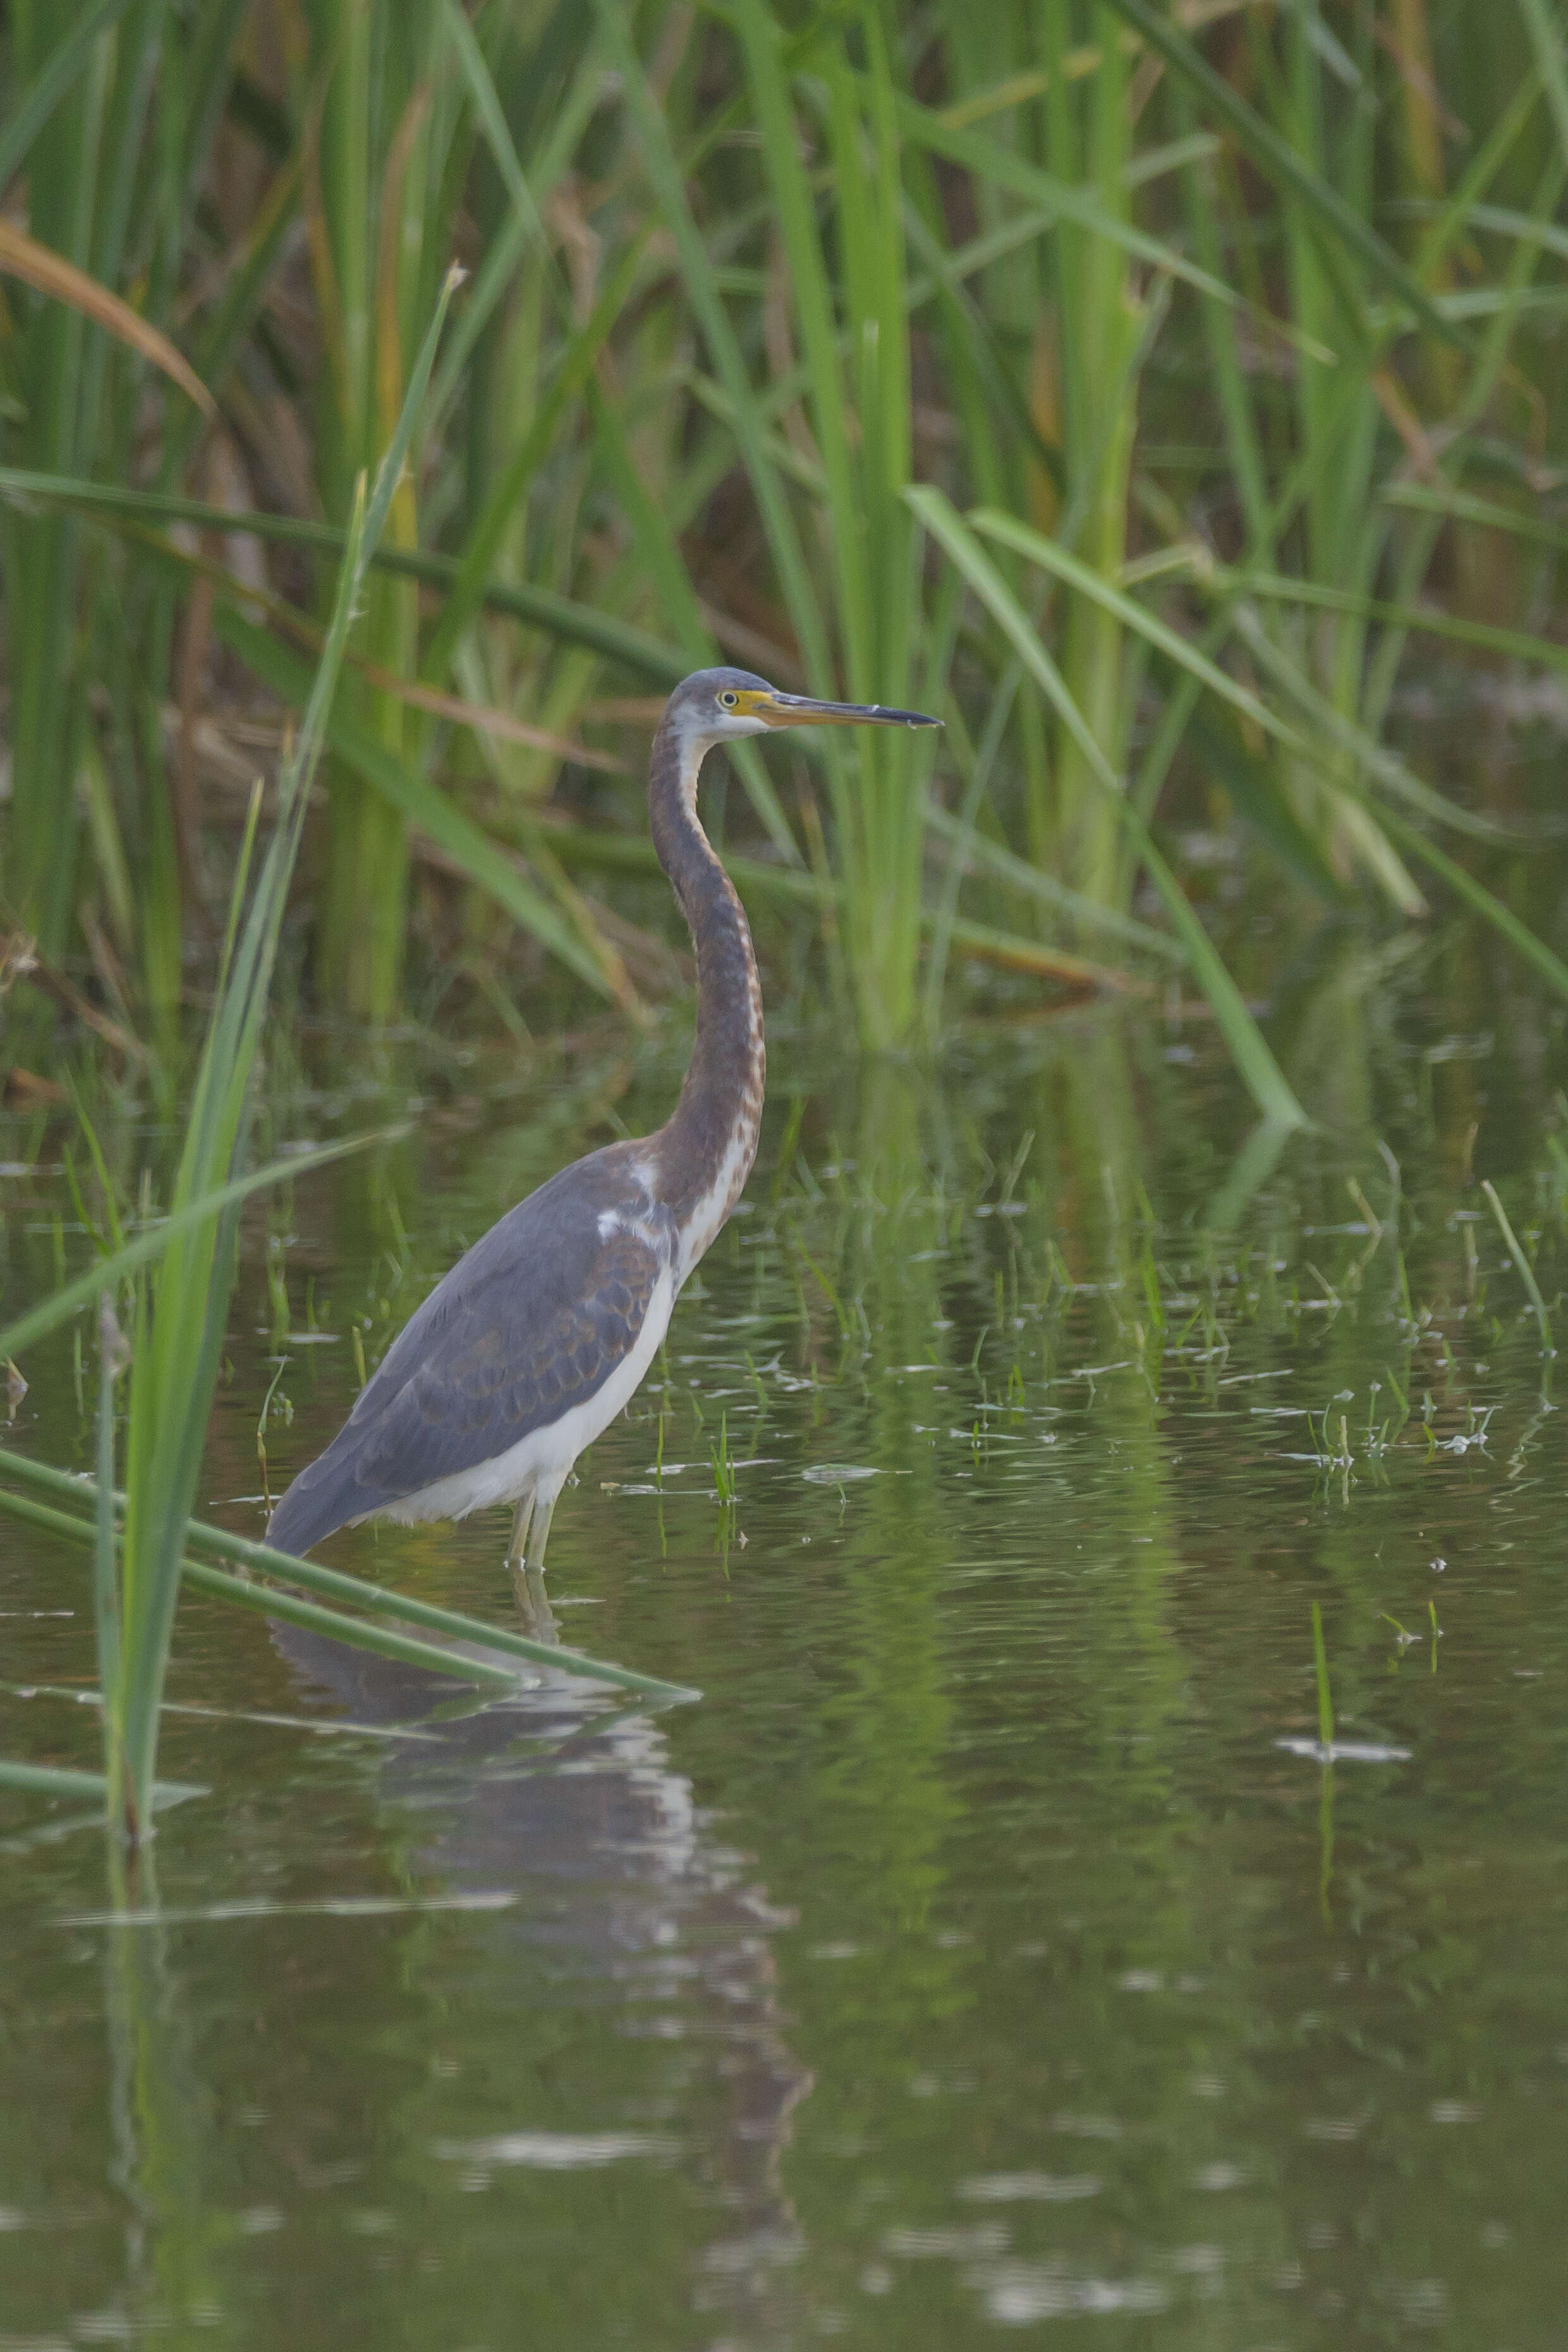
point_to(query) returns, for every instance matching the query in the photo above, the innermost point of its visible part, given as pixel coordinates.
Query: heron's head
(712, 705)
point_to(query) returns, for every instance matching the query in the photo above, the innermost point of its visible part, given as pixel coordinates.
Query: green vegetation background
(1164, 394)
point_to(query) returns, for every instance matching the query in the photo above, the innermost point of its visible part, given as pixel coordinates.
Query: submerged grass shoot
(1321, 1676)
(1525, 1270)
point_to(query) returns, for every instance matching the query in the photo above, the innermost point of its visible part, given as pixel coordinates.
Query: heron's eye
(729, 698)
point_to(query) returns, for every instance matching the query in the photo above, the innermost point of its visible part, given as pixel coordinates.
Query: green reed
(179, 1319)
(181, 1315)
(385, 136)
(856, 361)
(1210, 336)
(97, 130)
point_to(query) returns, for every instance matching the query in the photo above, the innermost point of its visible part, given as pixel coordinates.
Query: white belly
(538, 1463)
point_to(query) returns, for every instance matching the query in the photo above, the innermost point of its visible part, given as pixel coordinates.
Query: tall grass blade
(425, 806)
(175, 1360)
(1546, 36)
(1338, 728)
(1256, 1064)
(51, 83)
(1278, 162)
(702, 288)
(496, 272)
(1415, 620)
(1051, 557)
(987, 856)
(989, 160)
(112, 1357)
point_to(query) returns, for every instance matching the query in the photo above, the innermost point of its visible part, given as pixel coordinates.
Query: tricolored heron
(540, 1335)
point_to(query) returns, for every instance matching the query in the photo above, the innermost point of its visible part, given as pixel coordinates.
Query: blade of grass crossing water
(61, 1305)
(250, 1595)
(355, 1592)
(60, 1780)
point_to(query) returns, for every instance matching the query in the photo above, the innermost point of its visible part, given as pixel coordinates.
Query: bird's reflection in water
(534, 1614)
(570, 1805)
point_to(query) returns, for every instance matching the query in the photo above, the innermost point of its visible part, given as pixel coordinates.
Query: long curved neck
(704, 1154)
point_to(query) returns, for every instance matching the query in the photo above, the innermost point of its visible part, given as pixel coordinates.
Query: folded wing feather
(529, 1324)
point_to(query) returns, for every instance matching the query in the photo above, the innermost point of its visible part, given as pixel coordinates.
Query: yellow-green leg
(526, 1560)
(543, 1513)
(517, 1549)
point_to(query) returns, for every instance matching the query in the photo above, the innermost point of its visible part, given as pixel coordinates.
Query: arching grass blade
(51, 1312)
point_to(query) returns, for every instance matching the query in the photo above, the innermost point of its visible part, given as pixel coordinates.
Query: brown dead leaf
(24, 1090)
(50, 273)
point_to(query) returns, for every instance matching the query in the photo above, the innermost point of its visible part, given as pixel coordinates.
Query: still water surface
(974, 1961)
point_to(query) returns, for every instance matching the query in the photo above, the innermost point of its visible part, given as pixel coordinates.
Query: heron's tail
(321, 1500)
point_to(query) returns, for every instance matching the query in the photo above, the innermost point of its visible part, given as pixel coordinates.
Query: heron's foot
(533, 1608)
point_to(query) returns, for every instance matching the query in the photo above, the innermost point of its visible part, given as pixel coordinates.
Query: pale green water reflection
(973, 1959)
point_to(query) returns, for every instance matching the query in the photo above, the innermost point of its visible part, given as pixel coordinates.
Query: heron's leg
(527, 1562)
(517, 1549)
(517, 1560)
(539, 1535)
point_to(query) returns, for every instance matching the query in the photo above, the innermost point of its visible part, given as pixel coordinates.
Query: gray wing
(528, 1324)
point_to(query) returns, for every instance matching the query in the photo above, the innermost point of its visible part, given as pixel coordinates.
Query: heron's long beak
(776, 710)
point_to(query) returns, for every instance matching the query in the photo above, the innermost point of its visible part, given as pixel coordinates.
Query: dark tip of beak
(802, 711)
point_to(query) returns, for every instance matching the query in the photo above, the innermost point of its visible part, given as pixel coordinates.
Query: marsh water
(994, 1948)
